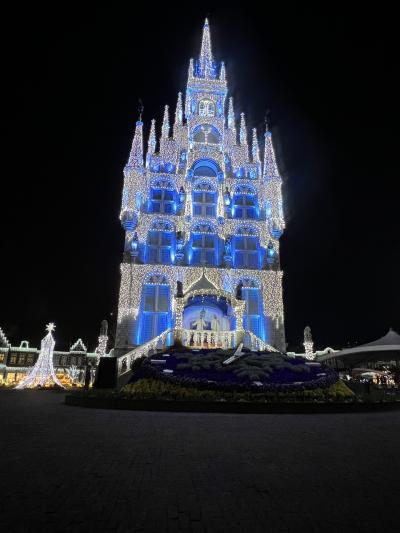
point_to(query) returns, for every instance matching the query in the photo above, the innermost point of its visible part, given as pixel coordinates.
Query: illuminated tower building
(202, 214)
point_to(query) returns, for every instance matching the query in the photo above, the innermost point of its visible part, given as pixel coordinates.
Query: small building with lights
(202, 214)
(17, 361)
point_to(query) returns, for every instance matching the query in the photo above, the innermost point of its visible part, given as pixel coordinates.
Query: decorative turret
(231, 115)
(178, 117)
(136, 155)
(243, 132)
(165, 125)
(151, 146)
(191, 69)
(270, 166)
(255, 150)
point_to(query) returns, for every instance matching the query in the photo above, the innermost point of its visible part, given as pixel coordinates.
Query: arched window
(204, 200)
(205, 167)
(162, 196)
(204, 250)
(246, 249)
(155, 315)
(244, 203)
(206, 108)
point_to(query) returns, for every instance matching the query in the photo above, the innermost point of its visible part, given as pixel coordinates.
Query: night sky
(73, 78)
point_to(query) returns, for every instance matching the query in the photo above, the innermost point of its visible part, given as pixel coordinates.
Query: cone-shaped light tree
(43, 374)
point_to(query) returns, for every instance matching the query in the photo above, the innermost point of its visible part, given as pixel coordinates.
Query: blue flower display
(253, 371)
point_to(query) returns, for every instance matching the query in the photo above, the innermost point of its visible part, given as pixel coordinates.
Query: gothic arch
(244, 229)
(204, 184)
(162, 224)
(162, 183)
(203, 226)
(206, 167)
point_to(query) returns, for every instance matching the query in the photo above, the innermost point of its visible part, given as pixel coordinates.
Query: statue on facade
(239, 290)
(179, 289)
(215, 325)
(201, 323)
(228, 246)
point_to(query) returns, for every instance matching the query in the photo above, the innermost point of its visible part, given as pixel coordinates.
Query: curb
(229, 407)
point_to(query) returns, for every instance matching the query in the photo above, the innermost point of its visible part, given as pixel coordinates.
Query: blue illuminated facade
(202, 214)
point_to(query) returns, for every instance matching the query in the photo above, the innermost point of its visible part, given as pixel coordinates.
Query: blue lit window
(206, 108)
(246, 252)
(155, 311)
(162, 201)
(204, 203)
(204, 249)
(252, 318)
(159, 247)
(244, 206)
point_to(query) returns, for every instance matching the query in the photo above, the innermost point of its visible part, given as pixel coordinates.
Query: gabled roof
(78, 346)
(3, 340)
(202, 284)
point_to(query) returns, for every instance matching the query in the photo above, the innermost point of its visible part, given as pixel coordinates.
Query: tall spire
(222, 74)
(165, 125)
(178, 111)
(243, 132)
(255, 150)
(231, 115)
(136, 155)
(270, 166)
(151, 146)
(206, 57)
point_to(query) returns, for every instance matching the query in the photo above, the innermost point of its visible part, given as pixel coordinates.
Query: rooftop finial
(140, 109)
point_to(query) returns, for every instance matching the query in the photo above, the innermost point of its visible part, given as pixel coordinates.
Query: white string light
(42, 373)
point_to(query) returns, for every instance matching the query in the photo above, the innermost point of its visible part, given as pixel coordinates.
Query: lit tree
(42, 374)
(73, 373)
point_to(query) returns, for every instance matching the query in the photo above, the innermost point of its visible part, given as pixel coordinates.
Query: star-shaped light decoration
(50, 327)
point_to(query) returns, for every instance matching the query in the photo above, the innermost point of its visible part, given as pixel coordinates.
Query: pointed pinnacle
(243, 132)
(165, 125)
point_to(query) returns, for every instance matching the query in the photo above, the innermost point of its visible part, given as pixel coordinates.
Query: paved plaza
(90, 470)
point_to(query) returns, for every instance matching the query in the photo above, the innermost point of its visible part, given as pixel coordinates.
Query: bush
(153, 389)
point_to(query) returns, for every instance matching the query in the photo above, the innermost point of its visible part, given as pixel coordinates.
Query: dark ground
(75, 469)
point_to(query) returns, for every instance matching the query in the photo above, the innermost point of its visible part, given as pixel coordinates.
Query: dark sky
(73, 78)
